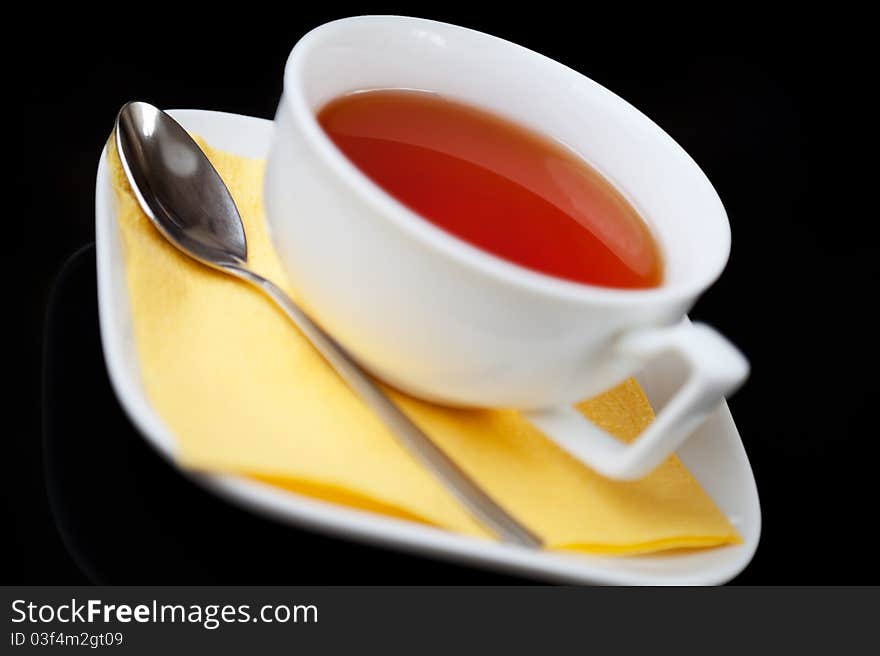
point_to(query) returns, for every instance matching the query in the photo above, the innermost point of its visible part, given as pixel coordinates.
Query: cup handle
(715, 368)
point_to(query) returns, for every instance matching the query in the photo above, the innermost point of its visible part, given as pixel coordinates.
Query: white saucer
(715, 455)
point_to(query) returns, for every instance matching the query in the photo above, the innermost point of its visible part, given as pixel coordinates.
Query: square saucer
(714, 454)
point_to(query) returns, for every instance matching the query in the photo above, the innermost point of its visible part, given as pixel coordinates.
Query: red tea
(496, 185)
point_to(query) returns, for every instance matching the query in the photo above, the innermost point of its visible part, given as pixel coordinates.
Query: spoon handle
(457, 482)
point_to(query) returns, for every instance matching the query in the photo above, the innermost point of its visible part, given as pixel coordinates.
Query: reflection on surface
(127, 517)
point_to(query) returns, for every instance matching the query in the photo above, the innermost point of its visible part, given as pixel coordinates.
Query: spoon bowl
(178, 188)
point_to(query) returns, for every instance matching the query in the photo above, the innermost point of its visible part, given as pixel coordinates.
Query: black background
(779, 135)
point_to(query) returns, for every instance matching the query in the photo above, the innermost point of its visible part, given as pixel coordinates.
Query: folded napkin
(244, 393)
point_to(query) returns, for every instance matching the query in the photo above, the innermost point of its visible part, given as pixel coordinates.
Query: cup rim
(445, 242)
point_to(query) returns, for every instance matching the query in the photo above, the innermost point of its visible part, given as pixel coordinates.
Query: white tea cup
(448, 322)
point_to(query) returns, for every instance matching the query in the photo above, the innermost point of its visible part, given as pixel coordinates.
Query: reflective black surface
(126, 516)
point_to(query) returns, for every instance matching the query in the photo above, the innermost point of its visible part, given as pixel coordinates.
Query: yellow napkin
(243, 392)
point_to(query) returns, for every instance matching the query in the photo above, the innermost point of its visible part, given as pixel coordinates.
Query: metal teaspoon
(185, 198)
